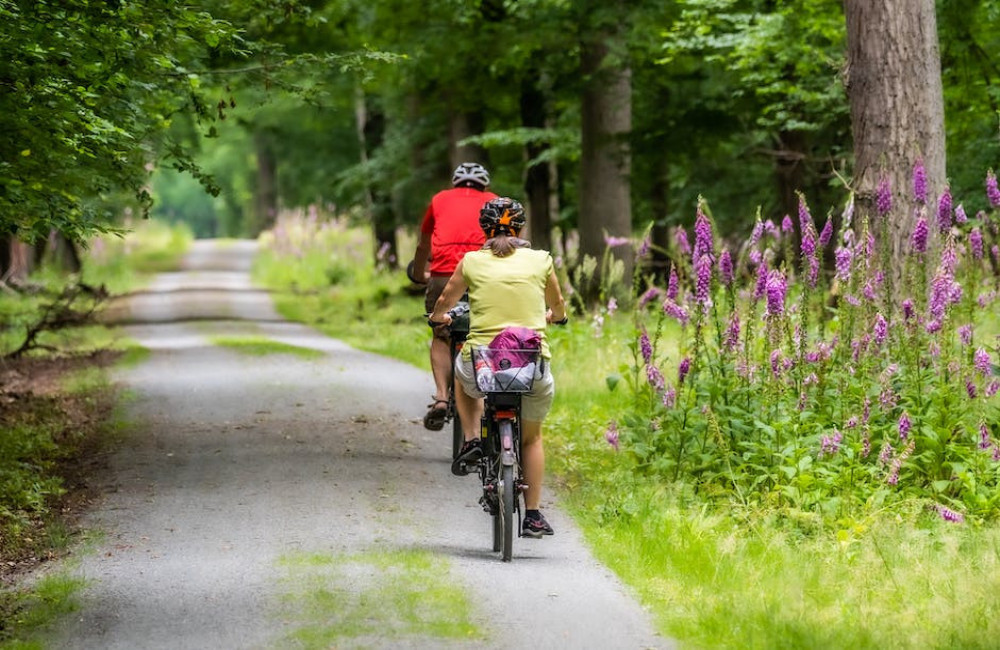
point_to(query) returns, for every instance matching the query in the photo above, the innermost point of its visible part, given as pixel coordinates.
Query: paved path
(236, 462)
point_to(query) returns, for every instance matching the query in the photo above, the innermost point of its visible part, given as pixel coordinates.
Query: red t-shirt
(452, 220)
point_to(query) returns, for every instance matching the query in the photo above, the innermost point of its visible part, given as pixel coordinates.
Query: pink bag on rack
(515, 347)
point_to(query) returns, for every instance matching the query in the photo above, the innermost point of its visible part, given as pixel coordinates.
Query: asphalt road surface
(235, 463)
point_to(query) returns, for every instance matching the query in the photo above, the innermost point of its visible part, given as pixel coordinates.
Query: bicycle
(503, 376)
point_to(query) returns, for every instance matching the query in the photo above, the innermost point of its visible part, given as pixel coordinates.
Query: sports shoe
(471, 451)
(535, 526)
(436, 415)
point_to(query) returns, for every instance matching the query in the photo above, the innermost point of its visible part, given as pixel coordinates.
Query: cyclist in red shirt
(450, 229)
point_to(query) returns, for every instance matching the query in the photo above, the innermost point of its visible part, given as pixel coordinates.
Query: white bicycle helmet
(470, 173)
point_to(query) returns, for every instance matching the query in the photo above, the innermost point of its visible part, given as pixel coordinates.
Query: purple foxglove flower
(950, 515)
(726, 267)
(920, 182)
(612, 305)
(852, 422)
(703, 286)
(960, 216)
(645, 346)
(992, 388)
(703, 244)
(866, 411)
(681, 239)
(672, 309)
(992, 193)
(655, 378)
(933, 326)
(758, 230)
(830, 445)
(673, 284)
(827, 234)
(883, 197)
(761, 288)
(885, 454)
(981, 360)
(771, 229)
(976, 243)
(965, 334)
(881, 329)
(611, 435)
(866, 445)
(944, 211)
(644, 248)
(995, 251)
(908, 310)
(813, 276)
(970, 389)
(776, 363)
(919, 238)
(996, 453)
(776, 288)
(683, 369)
(852, 300)
(904, 426)
(669, 397)
(615, 242)
(844, 257)
(808, 242)
(805, 218)
(733, 332)
(984, 437)
(787, 225)
(649, 296)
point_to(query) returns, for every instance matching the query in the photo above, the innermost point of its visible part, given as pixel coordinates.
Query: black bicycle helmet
(501, 216)
(470, 174)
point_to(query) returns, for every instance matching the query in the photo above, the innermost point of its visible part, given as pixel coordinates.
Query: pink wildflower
(950, 515)
(919, 238)
(611, 435)
(883, 197)
(920, 182)
(944, 211)
(992, 193)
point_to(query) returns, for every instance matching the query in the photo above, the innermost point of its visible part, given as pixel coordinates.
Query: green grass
(348, 601)
(26, 613)
(259, 346)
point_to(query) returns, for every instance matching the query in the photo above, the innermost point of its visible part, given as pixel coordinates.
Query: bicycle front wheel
(457, 437)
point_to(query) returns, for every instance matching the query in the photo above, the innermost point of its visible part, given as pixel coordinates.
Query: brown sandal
(438, 411)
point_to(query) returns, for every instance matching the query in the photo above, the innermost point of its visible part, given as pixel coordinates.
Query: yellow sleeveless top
(505, 292)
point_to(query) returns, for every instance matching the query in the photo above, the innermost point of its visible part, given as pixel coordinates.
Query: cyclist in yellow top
(509, 285)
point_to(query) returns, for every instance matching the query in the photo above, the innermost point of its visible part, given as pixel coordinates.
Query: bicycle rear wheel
(507, 522)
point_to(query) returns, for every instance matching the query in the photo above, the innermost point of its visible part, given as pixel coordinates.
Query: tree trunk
(893, 83)
(371, 132)
(606, 121)
(59, 251)
(266, 192)
(461, 125)
(20, 261)
(537, 179)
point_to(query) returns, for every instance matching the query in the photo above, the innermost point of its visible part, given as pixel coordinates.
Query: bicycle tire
(497, 532)
(507, 513)
(457, 435)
